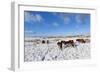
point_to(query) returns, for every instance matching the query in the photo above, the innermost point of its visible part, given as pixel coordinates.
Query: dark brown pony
(81, 40)
(60, 45)
(69, 43)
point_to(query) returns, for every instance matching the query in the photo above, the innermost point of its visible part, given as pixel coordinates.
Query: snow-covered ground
(49, 52)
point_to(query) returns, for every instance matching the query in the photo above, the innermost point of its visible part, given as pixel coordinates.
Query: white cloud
(55, 13)
(33, 17)
(80, 19)
(28, 31)
(65, 18)
(55, 24)
(38, 17)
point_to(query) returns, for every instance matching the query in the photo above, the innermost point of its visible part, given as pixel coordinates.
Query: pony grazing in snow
(59, 45)
(69, 43)
(81, 40)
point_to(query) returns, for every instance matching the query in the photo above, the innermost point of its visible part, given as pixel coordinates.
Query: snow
(50, 52)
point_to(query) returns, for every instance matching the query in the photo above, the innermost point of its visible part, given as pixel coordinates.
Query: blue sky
(55, 23)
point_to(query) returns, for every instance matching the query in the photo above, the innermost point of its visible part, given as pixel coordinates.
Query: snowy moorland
(37, 51)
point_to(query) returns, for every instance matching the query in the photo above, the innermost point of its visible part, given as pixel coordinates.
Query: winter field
(35, 50)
